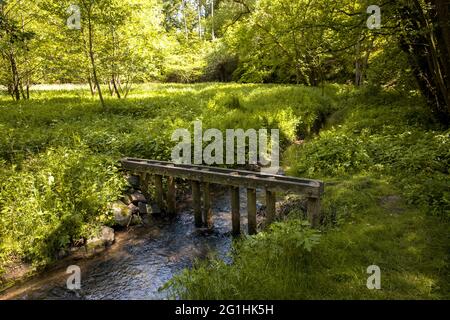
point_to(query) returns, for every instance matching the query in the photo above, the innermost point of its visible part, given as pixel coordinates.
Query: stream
(143, 258)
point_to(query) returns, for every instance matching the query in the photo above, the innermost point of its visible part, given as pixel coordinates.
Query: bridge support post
(197, 203)
(171, 196)
(159, 192)
(235, 206)
(270, 206)
(313, 209)
(207, 211)
(251, 209)
(144, 182)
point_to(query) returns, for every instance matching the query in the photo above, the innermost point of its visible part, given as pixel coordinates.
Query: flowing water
(142, 260)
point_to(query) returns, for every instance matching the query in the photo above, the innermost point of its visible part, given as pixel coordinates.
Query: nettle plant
(44, 207)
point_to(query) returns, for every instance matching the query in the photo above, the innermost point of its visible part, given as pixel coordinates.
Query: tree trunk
(199, 20)
(91, 85)
(425, 39)
(186, 33)
(115, 88)
(15, 78)
(92, 58)
(213, 34)
(358, 73)
(113, 65)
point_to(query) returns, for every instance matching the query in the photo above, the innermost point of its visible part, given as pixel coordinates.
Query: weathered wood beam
(270, 206)
(313, 210)
(159, 192)
(235, 210)
(171, 196)
(197, 204)
(312, 189)
(251, 210)
(144, 182)
(236, 178)
(207, 210)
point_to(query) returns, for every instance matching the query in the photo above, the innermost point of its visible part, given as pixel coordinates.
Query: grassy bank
(384, 161)
(59, 151)
(387, 204)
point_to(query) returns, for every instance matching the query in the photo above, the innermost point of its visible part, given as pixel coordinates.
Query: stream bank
(142, 259)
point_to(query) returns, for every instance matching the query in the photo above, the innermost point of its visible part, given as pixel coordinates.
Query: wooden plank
(235, 212)
(270, 206)
(219, 170)
(171, 196)
(313, 209)
(197, 204)
(251, 210)
(207, 210)
(252, 180)
(159, 192)
(144, 182)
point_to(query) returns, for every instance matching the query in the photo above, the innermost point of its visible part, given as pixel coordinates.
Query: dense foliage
(59, 153)
(364, 107)
(118, 43)
(386, 170)
(388, 137)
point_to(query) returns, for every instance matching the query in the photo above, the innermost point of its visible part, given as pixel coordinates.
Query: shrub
(383, 140)
(260, 266)
(57, 197)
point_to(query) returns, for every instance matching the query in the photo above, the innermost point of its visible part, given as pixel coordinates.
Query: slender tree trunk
(213, 34)
(113, 64)
(11, 91)
(186, 33)
(358, 75)
(92, 58)
(111, 90)
(199, 20)
(15, 77)
(22, 91)
(425, 40)
(26, 95)
(91, 85)
(114, 87)
(28, 89)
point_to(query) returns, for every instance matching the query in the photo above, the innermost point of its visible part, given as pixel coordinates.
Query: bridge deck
(201, 177)
(229, 177)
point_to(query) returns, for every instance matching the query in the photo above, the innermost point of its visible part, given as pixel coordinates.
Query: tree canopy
(399, 45)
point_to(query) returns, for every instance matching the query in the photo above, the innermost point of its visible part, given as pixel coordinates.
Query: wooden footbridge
(202, 177)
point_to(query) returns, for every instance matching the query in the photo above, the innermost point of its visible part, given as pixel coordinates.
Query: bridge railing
(202, 177)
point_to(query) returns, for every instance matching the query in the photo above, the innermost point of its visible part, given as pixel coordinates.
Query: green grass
(411, 248)
(384, 161)
(385, 164)
(59, 150)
